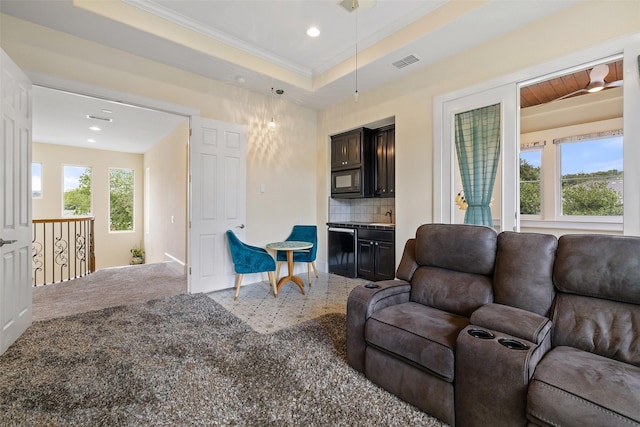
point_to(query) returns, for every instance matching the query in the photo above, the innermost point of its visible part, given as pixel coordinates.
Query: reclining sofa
(509, 329)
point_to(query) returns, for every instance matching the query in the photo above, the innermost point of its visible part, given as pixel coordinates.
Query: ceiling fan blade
(617, 83)
(570, 94)
(598, 73)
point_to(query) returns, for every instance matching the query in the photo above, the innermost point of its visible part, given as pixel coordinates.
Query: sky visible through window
(72, 175)
(598, 155)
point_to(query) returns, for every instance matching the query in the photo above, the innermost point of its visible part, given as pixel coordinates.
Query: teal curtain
(477, 134)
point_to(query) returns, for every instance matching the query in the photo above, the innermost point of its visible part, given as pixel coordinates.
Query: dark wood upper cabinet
(348, 149)
(385, 179)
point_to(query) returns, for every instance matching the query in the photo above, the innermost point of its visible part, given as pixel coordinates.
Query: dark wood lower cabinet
(376, 254)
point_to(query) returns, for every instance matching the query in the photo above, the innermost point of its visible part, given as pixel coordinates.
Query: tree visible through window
(77, 191)
(530, 194)
(121, 199)
(592, 177)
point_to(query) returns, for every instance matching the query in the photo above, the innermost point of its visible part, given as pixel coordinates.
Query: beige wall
(410, 98)
(165, 164)
(293, 161)
(111, 248)
(282, 160)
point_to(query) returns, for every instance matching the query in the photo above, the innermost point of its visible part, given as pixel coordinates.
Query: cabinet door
(391, 162)
(381, 163)
(385, 162)
(366, 259)
(354, 149)
(385, 263)
(338, 151)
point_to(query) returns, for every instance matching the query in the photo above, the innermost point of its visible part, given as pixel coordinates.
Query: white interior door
(447, 182)
(15, 193)
(217, 200)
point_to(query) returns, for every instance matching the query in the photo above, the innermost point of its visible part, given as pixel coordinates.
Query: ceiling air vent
(104, 119)
(406, 61)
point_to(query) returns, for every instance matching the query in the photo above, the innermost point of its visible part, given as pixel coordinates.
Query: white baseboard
(175, 264)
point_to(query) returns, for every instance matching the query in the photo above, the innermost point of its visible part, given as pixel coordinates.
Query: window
(591, 175)
(77, 191)
(36, 180)
(530, 181)
(121, 199)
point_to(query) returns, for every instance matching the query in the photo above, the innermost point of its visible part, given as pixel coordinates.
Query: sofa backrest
(597, 307)
(454, 267)
(523, 276)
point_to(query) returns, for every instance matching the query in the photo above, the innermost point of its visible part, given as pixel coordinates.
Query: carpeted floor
(108, 287)
(185, 360)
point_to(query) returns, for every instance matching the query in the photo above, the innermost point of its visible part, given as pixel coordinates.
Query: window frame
(91, 204)
(531, 147)
(41, 180)
(573, 139)
(133, 201)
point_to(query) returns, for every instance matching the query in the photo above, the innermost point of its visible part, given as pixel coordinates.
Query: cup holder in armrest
(479, 333)
(371, 286)
(513, 344)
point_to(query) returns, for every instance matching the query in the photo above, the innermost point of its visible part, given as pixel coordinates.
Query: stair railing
(62, 249)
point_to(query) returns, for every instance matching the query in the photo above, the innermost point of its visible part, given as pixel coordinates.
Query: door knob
(6, 242)
(240, 226)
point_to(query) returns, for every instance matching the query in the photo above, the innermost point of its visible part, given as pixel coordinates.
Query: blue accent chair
(302, 233)
(250, 259)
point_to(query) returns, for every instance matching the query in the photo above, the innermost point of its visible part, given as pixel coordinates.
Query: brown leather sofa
(510, 329)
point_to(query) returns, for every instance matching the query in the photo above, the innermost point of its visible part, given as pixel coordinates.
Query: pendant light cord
(353, 6)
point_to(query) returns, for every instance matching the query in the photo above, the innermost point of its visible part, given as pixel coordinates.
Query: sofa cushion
(523, 276)
(601, 266)
(423, 335)
(453, 291)
(598, 325)
(571, 387)
(459, 247)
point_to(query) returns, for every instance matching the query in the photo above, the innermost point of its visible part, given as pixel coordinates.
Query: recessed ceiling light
(107, 111)
(91, 140)
(95, 128)
(313, 32)
(240, 80)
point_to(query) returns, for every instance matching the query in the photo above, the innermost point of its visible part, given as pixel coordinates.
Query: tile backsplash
(362, 210)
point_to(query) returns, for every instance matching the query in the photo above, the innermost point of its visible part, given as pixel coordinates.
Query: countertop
(369, 225)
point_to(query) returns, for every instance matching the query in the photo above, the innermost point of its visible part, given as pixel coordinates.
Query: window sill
(566, 224)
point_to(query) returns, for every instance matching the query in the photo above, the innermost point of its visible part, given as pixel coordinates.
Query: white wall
(165, 165)
(283, 160)
(300, 147)
(410, 98)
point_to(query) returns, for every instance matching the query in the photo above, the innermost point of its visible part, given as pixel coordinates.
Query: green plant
(137, 252)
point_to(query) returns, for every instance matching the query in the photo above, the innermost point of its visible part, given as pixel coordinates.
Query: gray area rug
(184, 360)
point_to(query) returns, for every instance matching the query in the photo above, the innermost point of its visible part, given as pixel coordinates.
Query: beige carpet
(108, 287)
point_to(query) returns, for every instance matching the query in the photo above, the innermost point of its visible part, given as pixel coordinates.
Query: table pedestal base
(290, 277)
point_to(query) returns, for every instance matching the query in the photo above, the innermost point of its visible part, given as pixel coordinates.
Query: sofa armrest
(512, 321)
(361, 304)
(493, 372)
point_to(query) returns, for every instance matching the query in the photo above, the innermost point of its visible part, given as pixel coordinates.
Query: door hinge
(189, 271)
(190, 132)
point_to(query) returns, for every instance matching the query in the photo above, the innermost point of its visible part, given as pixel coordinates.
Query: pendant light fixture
(272, 124)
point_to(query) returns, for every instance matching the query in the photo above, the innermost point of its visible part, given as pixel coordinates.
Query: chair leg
(238, 281)
(315, 270)
(273, 283)
(278, 271)
(309, 273)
